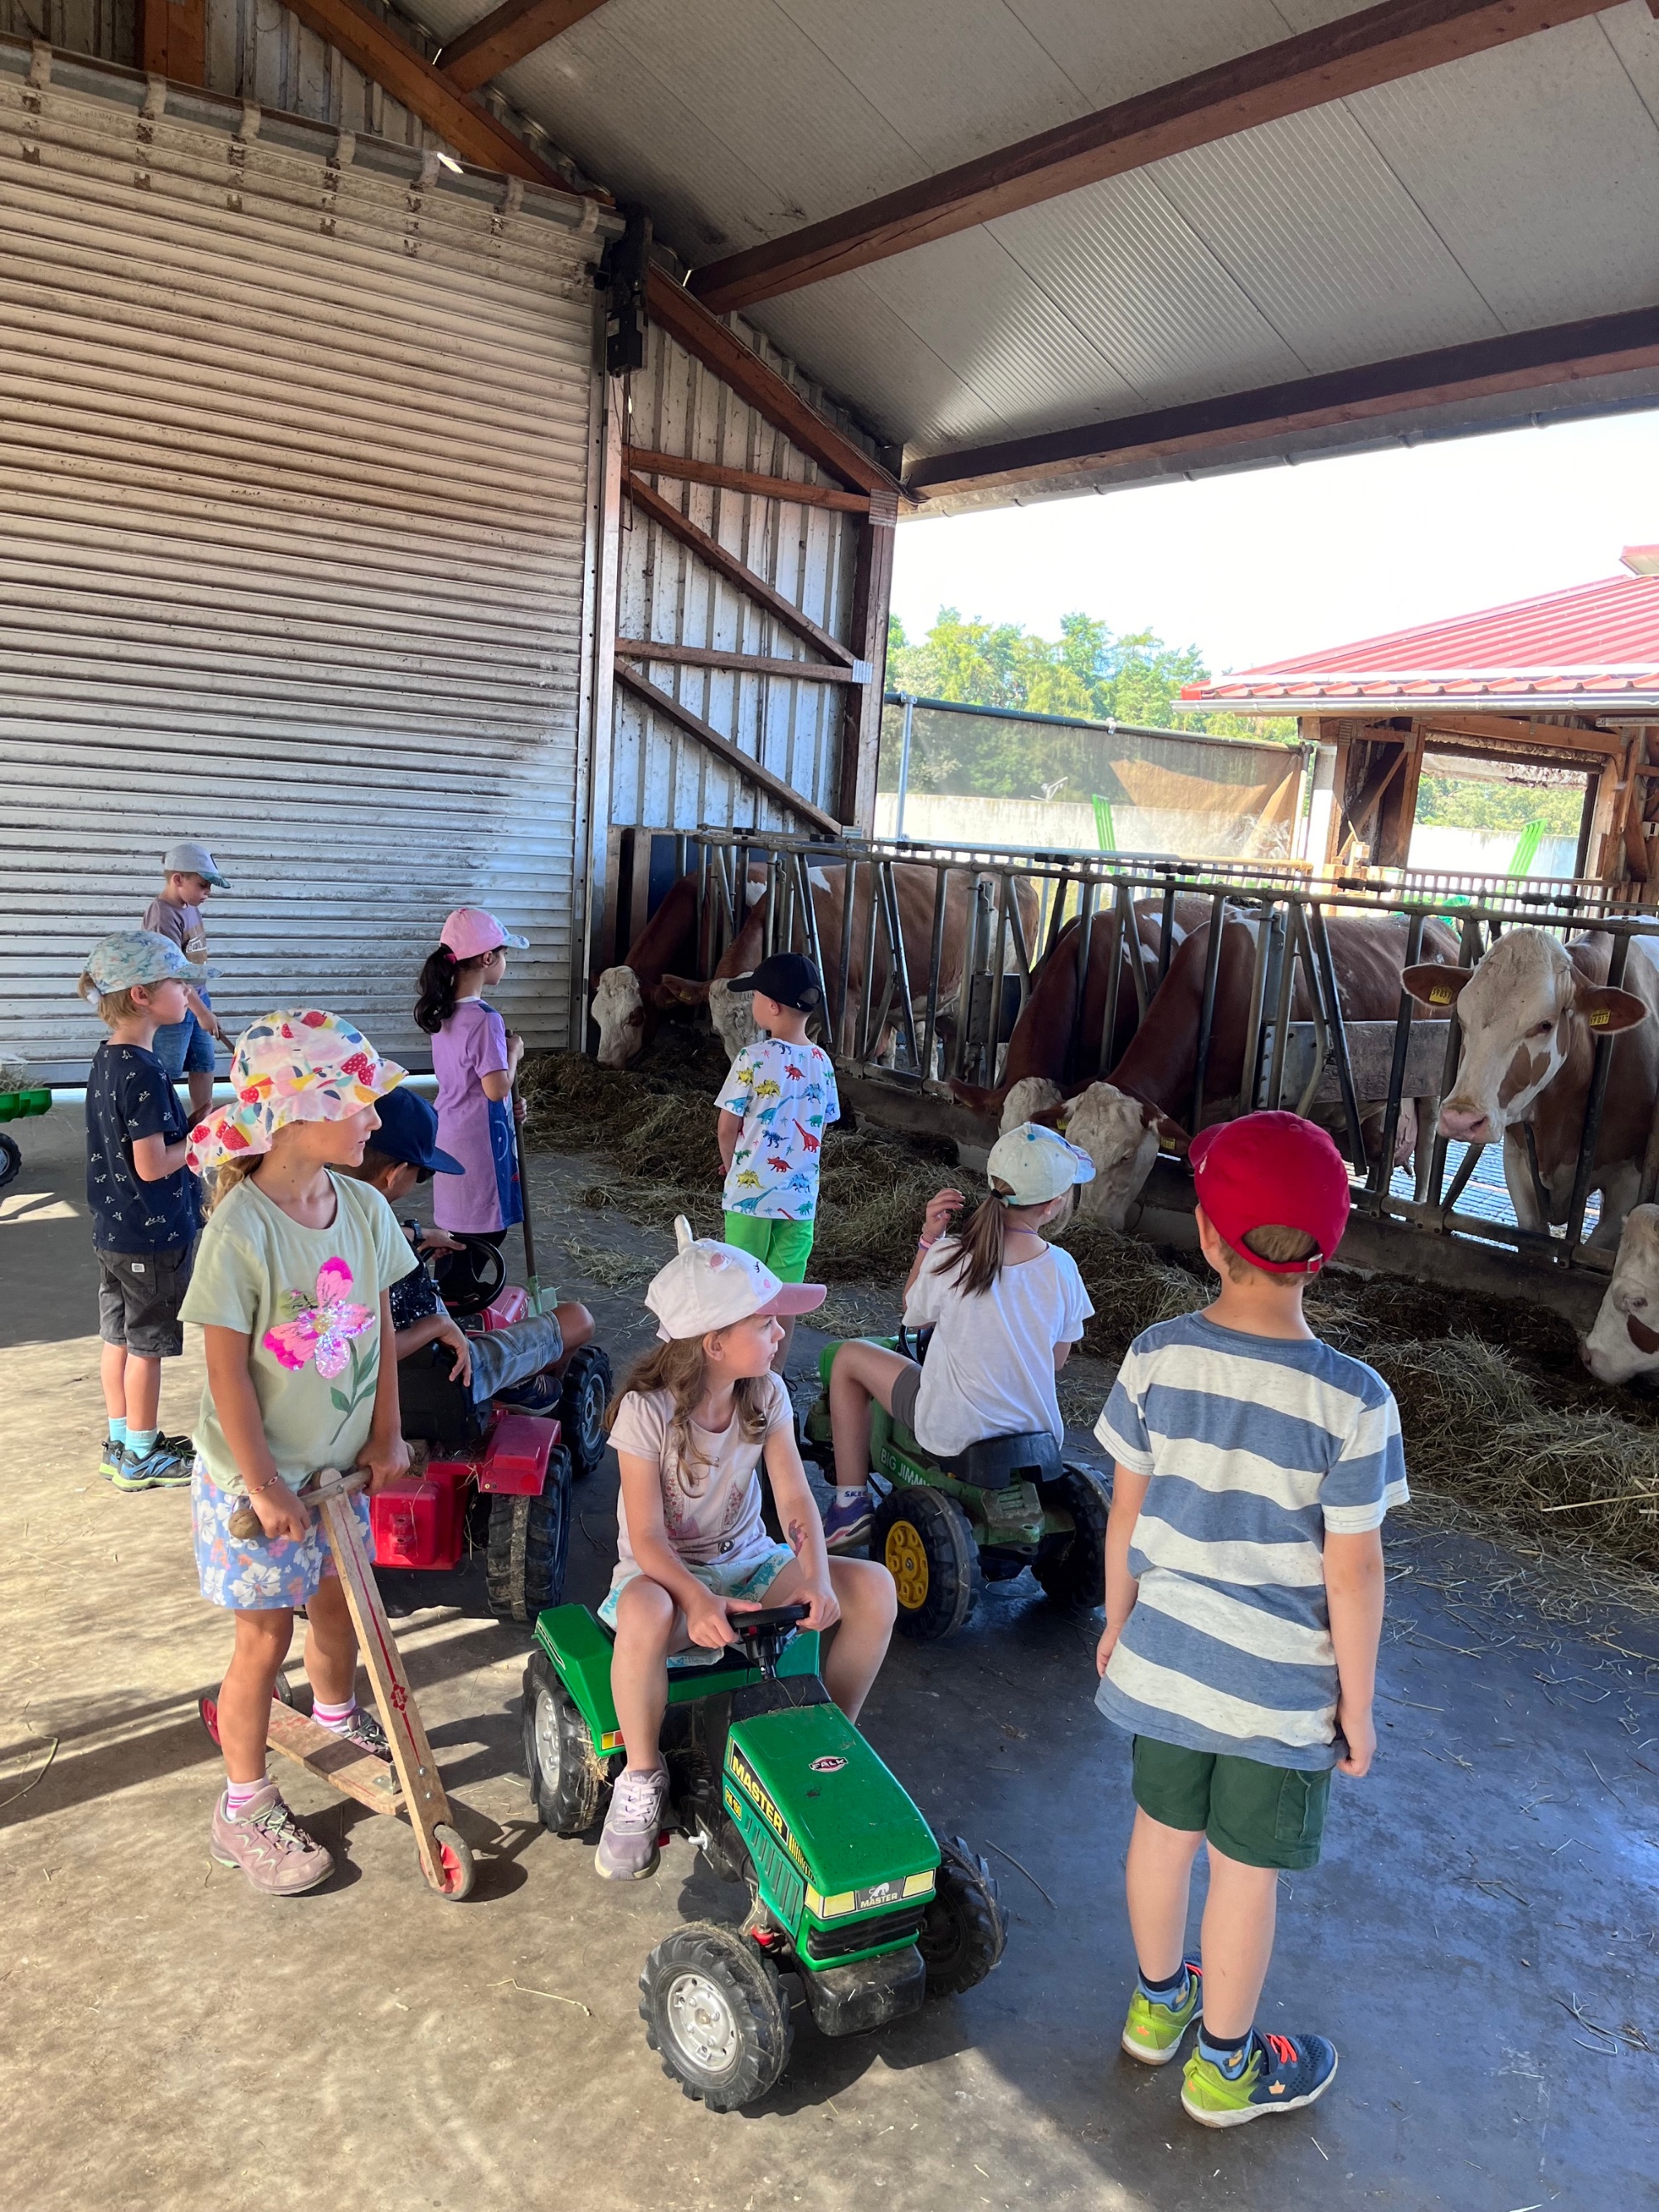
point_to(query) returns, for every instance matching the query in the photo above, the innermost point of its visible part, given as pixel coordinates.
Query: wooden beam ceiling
(462, 122)
(172, 39)
(506, 35)
(1521, 360)
(1354, 54)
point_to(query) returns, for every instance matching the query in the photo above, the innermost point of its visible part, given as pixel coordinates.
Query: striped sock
(118, 1432)
(237, 1795)
(333, 1718)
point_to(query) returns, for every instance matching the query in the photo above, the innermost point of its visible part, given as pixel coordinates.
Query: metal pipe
(1382, 1175)
(935, 958)
(1265, 919)
(1468, 942)
(1085, 925)
(1339, 1034)
(1602, 1063)
(1460, 1181)
(1207, 1008)
(898, 966)
(1166, 934)
(1114, 975)
(1004, 898)
(844, 991)
(905, 763)
(1139, 954)
(868, 992)
(1288, 953)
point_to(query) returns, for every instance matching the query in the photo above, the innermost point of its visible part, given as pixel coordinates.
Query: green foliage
(1454, 802)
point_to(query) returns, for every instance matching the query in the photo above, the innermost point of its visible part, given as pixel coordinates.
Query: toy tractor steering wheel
(768, 1631)
(912, 1343)
(470, 1278)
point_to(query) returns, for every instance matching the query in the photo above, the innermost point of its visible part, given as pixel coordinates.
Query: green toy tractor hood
(841, 1817)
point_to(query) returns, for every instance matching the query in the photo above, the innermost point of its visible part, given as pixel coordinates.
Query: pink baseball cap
(470, 933)
(1272, 1170)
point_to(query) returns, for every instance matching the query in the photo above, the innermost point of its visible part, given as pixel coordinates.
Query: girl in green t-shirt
(290, 1291)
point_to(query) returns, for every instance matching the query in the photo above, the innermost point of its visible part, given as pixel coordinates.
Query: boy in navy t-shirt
(146, 1204)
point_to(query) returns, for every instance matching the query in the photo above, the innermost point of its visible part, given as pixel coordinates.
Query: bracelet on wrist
(259, 1489)
(925, 1243)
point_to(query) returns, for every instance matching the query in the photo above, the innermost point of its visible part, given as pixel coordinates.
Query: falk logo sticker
(826, 1765)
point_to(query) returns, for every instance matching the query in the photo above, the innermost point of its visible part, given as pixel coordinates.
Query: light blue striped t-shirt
(1256, 1446)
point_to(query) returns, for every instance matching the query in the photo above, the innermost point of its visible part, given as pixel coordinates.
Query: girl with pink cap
(475, 1057)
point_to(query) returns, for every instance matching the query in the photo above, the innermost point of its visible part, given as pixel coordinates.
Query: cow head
(1517, 1008)
(733, 1013)
(1034, 1097)
(1624, 1341)
(1120, 1135)
(618, 1011)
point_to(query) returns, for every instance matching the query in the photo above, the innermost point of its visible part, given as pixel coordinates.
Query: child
(1243, 1605)
(691, 1426)
(475, 1057)
(144, 1201)
(778, 1099)
(1006, 1309)
(522, 1363)
(290, 1291)
(185, 1048)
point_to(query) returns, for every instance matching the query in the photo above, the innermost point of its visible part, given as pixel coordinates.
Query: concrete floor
(171, 2040)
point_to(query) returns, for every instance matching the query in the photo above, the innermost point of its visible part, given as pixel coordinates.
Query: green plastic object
(580, 1651)
(1526, 848)
(1105, 829)
(18, 1105)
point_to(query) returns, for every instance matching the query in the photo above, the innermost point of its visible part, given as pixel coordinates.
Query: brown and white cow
(1122, 1136)
(629, 999)
(1625, 1341)
(1531, 1009)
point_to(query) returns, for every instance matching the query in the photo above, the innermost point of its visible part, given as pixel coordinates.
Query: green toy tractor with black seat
(850, 1890)
(948, 1526)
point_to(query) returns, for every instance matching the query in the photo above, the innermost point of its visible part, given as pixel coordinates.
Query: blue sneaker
(162, 1467)
(1282, 2074)
(846, 1527)
(110, 1466)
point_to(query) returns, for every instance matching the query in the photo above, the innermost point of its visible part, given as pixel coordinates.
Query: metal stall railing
(935, 947)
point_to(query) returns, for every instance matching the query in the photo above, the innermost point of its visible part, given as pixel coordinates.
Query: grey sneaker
(269, 1845)
(628, 1844)
(161, 1468)
(365, 1732)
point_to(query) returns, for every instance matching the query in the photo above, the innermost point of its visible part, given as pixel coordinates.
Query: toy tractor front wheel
(923, 1539)
(966, 1929)
(582, 1402)
(567, 1779)
(528, 1539)
(714, 2014)
(1072, 1568)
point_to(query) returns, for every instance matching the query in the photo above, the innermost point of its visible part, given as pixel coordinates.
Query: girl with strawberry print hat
(291, 1288)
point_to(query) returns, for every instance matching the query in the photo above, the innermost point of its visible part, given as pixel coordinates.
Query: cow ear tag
(1440, 996)
(1598, 1018)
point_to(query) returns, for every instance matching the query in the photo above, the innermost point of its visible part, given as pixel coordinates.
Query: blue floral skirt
(272, 1576)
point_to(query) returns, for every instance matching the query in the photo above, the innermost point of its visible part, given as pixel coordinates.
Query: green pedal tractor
(851, 1893)
(946, 1527)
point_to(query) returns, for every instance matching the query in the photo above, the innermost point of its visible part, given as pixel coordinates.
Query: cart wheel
(1073, 1572)
(965, 1930)
(283, 1689)
(567, 1778)
(11, 1160)
(923, 1539)
(209, 1710)
(454, 1862)
(714, 2014)
(529, 1537)
(581, 1409)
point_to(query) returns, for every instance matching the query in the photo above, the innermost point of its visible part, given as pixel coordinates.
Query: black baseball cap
(409, 1133)
(788, 977)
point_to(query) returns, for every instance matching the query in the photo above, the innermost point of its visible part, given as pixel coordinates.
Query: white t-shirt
(711, 1510)
(990, 1369)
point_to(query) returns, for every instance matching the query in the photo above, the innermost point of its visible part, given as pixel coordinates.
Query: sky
(1273, 561)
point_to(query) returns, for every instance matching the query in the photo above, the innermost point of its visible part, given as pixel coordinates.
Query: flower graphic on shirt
(322, 1331)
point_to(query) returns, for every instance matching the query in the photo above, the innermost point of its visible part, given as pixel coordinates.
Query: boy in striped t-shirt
(1243, 1605)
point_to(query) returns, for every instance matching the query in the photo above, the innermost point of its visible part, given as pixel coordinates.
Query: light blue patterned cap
(1037, 1165)
(127, 956)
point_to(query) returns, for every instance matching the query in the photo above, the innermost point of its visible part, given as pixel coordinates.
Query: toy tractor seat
(434, 1408)
(999, 1462)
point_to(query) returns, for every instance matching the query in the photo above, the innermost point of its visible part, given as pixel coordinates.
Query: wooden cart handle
(327, 1482)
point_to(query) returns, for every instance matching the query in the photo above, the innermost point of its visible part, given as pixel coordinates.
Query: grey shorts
(139, 1295)
(906, 1391)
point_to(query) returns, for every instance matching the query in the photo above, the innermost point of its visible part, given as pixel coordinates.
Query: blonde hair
(979, 1253)
(223, 1179)
(1273, 1240)
(681, 1368)
(111, 1007)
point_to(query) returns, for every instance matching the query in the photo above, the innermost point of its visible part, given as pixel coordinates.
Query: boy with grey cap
(145, 1202)
(186, 1047)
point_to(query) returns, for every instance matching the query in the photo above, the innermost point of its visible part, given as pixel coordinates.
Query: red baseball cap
(1267, 1170)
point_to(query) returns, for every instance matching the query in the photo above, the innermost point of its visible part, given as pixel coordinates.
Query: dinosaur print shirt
(787, 1095)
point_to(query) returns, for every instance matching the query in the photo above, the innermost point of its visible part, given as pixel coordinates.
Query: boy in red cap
(1243, 1605)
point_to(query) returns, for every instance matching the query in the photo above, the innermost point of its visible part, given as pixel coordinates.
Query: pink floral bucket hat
(297, 1066)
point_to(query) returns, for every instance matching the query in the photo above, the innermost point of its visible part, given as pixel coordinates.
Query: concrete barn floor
(1481, 1942)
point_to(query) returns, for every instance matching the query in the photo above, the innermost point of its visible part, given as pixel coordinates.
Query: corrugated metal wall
(660, 775)
(294, 519)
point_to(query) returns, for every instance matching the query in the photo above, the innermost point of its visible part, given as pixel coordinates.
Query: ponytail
(436, 999)
(223, 1179)
(978, 1259)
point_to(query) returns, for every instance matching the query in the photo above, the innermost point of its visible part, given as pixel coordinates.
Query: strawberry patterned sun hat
(304, 1066)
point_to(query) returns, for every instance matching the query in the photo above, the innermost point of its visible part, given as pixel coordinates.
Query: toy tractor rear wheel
(714, 2014)
(567, 1778)
(1073, 1571)
(923, 1539)
(582, 1402)
(528, 1539)
(11, 1160)
(966, 1930)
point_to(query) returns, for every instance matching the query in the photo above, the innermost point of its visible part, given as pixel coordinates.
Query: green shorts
(1262, 1816)
(784, 1246)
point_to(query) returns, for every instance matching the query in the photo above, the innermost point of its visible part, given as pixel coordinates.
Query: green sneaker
(1282, 2073)
(110, 1466)
(1152, 2031)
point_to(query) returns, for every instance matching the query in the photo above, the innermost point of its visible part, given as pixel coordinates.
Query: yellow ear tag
(1440, 996)
(1598, 1018)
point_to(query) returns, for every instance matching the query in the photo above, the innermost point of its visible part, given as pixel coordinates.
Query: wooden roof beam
(1565, 353)
(506, 35)
(1354, 54)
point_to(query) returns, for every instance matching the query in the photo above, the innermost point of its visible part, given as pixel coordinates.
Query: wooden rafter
(682, 469)
(1352, 54)
(506, 35)
(664, 702)
(462, 122)
(746, 663)
(172, 39)
(737, 572)
(1565, 353)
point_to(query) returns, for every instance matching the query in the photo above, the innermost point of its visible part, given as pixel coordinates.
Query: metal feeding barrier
(915, 1031)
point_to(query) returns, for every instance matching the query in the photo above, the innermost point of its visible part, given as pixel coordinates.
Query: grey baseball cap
(188, 858)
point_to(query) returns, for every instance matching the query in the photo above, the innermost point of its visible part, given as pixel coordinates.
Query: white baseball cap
(708, 1285)
(1037, 1165)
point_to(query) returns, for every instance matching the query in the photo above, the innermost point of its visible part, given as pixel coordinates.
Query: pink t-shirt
(479, 1131)
(711, 1510)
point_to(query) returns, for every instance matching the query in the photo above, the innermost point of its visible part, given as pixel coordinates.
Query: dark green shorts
(1262, 1816)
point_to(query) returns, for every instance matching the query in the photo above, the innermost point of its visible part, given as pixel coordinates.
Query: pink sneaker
(269, 1845)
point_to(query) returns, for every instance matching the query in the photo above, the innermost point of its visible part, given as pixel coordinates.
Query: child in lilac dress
(475, 1057)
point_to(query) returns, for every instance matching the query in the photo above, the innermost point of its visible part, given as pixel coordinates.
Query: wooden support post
(861, 742)
(506, 35)
(172, 39)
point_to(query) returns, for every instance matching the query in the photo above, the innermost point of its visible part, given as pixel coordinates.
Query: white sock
(851, 1496)
(237, 1795)
(333, 1718)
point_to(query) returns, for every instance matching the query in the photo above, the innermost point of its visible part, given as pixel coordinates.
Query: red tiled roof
(1594, 649)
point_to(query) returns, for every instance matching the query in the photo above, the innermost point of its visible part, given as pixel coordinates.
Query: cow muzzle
(1464, 1125)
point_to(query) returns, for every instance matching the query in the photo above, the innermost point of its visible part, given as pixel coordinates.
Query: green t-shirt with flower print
(309, 1302)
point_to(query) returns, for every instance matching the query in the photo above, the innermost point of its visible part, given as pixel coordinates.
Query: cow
(1624, 1342)
(1033, 1098)
(1120, 1135)
(629, 999)
(1531, 1009)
